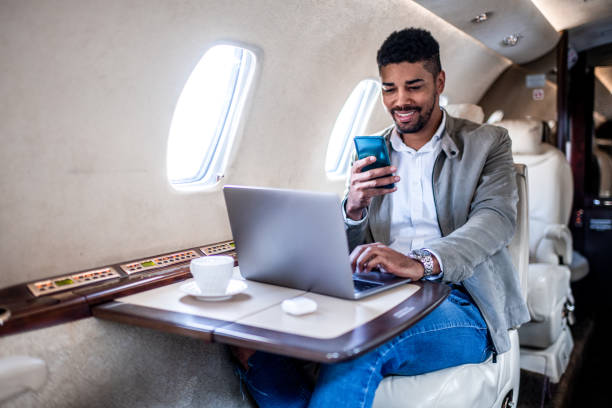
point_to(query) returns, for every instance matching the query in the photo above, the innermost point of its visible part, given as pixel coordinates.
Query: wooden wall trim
(562, 92)
(580, 108)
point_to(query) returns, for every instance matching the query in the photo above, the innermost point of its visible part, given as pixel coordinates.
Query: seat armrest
(555, 246)
(548, 286)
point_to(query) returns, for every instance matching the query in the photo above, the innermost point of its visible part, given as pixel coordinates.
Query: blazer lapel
(442, 178)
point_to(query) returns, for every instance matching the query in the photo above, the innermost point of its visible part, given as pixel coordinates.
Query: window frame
(364, 109)
(230, 125)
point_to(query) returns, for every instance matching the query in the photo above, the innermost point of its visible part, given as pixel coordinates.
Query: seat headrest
(526, 135)
(467, 111)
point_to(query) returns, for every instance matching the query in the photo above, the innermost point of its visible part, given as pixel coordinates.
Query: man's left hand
(366, 257)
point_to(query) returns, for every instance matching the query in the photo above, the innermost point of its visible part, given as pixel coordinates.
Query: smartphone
(373, 146)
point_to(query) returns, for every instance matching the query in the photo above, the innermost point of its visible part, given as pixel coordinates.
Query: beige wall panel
(89, 90)
(511, 95)
(97, 364)
(603, 95)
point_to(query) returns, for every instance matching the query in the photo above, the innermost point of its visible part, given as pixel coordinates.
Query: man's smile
(405, 114)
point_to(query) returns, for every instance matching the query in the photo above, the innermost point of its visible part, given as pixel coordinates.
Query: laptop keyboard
(360, 285)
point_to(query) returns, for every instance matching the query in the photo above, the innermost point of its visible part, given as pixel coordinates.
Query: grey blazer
(475, 195)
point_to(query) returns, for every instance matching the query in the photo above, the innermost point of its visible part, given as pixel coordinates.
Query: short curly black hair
(410, 45)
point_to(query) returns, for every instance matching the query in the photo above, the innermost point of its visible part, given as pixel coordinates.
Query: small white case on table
(299, 306)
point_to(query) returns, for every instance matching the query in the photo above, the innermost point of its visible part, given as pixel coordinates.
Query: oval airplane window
(206, 117)
(351, 121)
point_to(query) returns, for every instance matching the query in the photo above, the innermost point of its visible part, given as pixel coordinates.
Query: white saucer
(235, 286)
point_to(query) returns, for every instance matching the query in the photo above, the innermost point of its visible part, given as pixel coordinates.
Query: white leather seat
(496, 116)
(467, 111)
(550, 250)
(487, 384)
(551, 191)
(604, 162)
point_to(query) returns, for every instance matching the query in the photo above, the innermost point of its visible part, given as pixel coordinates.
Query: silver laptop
(296, 239)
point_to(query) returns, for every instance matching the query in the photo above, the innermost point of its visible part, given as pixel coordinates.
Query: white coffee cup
(212, 273)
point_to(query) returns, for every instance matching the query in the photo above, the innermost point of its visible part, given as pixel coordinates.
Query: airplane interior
(122, 121)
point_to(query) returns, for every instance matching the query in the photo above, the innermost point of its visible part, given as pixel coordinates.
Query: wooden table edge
(348, 345)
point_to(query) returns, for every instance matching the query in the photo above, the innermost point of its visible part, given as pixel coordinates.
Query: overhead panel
(529, 34)
(564, 14)
(591, 35)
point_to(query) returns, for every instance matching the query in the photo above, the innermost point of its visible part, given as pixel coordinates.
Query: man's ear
(440, 82)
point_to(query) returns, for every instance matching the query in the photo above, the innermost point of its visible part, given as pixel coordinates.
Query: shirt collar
(398, 144)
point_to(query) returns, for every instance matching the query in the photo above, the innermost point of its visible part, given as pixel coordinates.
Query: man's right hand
(362, 186)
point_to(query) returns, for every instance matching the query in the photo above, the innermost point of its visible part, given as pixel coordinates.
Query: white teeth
(403, 115)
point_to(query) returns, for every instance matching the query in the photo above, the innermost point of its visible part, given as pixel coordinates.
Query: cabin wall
(510, 93)
(97, 364)
(89, 89)
(603, 100)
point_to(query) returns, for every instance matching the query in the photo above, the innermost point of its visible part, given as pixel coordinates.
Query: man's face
(410, 94)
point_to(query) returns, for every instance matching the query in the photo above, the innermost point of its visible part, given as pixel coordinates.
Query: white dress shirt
(414, 219)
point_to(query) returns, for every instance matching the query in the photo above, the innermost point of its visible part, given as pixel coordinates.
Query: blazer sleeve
(359, 233)
(491, 219)
(356, 231)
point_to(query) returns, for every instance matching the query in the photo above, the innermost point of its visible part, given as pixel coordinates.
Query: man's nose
(404, 98)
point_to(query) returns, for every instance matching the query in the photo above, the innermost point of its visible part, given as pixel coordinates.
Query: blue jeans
(452, 334)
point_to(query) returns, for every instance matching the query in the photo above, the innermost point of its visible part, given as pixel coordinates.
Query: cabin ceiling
(536, 22)
(567, 14)
(504, 18)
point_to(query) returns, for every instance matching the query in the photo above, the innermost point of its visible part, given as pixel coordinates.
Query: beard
(422, 119)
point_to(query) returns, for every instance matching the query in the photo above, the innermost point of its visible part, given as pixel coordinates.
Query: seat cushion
(526, 135)
(468, 385)
(467, 111)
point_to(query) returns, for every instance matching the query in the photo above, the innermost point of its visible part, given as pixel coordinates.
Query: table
(340, 329)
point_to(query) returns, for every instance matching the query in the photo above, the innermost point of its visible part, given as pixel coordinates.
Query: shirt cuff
(352, 222)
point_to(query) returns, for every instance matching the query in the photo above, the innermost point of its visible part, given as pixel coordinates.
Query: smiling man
(449, 218)
(412, 110)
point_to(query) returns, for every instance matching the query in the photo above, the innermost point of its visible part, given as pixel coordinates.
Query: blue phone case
(373, 146)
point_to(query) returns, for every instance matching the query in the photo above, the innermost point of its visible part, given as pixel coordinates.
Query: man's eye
(387, 90)
(414, 88)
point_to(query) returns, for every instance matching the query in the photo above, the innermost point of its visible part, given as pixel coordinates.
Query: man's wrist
(426, 259)
(355, 215)
(349, 221)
